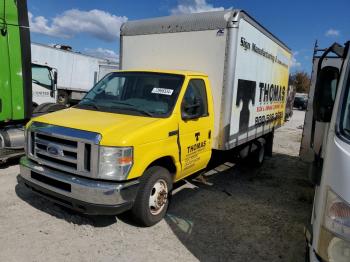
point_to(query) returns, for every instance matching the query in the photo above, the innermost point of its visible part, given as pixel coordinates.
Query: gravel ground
(240, 214)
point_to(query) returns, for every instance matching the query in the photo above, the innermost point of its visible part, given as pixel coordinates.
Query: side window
(195, 103)
(109, 88)
(114, 86)
(325, 93)
(346, 115)
(41, 76)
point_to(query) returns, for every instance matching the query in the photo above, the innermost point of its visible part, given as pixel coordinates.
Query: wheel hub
(158, 197)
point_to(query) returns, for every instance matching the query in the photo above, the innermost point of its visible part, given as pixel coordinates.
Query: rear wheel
(152, 199)
(258, 156)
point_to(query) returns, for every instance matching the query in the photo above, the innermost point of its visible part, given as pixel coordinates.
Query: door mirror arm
(55, 78)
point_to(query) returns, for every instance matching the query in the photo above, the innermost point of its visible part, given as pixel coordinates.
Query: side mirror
(54, 83)
(191, 111)
(325, 93)
(55, 77)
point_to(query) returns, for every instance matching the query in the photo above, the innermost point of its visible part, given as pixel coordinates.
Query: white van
(326, 145)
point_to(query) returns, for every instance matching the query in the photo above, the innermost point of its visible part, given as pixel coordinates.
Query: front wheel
(152, 200)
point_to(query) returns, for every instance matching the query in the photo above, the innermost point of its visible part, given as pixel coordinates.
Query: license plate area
(51, 182)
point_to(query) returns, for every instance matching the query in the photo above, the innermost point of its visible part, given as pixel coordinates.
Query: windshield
(134, 93)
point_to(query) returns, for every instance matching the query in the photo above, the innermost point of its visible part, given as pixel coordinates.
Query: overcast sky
(93, 26)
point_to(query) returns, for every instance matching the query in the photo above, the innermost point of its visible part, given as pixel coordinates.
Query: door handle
(173, 133)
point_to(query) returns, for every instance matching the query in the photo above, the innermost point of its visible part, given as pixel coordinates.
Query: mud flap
(269, 143)
(315, 171)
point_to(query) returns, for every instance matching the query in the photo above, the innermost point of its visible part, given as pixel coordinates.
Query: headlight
(334, 244)
(337, 215)
(115, 162)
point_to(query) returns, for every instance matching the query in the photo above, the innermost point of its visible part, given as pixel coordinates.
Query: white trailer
(248, 67)
(77, 73)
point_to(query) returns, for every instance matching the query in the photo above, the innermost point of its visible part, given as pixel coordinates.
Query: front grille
(67, 151)
(73, 154)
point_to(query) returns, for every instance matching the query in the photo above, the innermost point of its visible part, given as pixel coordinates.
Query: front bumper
(310, 252)
(85, 195)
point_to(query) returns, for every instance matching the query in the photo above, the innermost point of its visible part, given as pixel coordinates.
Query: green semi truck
(16, 81)
(15, 76)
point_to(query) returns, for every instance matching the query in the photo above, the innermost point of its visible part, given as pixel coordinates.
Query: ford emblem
(54, 150)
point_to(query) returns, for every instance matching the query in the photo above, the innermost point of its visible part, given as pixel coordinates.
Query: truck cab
(143, 129)
(44, 85)
(15, 77)
(326, 145)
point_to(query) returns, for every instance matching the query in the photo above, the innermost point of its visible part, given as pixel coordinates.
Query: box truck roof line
(102, 60)
(171, 72)
(195, 22)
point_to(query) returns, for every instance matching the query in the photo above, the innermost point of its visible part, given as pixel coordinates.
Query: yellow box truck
(189, 85)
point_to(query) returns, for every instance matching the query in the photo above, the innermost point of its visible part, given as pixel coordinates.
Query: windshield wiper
(133, 107)
(89, 103)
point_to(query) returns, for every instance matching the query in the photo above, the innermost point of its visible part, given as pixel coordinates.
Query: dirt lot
(242, 214)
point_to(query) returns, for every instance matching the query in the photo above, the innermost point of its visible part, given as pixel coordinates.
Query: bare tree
(301, 81)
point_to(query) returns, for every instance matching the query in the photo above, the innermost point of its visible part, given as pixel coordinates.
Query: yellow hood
(116, 129)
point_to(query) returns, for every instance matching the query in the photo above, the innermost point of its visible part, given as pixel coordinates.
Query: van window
(346, 114)
(41, 75)
(195, 99)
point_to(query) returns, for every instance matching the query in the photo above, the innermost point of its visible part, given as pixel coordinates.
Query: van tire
(156, 183)
(307, 252)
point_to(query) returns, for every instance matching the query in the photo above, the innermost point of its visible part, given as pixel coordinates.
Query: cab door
(5, 80)
(43, 84)
(195, 128)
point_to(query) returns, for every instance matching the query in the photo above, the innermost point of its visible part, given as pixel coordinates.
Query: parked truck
(190, 85)
(22, 84)
(77, 73)
(326, 146)
(44, 89)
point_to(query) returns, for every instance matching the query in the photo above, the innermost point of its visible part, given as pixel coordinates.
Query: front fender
(146, 154)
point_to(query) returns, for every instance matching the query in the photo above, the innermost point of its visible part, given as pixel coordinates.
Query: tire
(307, 252)
(156, 184)
(48, 108)
(258, 156)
